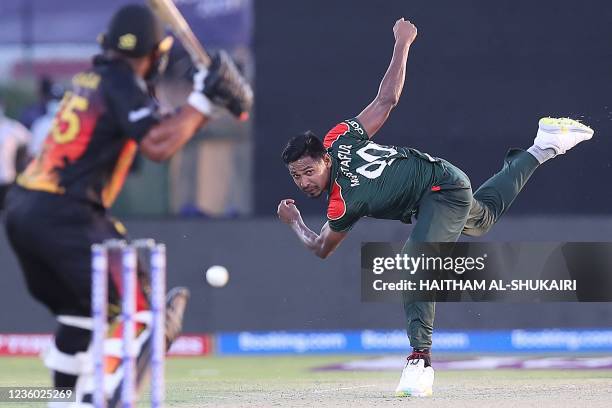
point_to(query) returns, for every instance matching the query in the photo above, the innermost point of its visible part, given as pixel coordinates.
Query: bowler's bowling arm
(322, 244)
(376, 113)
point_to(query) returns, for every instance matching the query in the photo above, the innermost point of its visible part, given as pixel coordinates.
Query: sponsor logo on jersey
(89, 80)
(356, 126)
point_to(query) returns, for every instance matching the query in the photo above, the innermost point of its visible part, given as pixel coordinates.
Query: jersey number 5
(67, 122)
(376, 156)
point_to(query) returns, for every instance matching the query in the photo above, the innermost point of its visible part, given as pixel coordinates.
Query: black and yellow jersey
(95, 134)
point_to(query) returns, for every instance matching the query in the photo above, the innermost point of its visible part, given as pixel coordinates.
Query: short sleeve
(135, 111)
(341, 218)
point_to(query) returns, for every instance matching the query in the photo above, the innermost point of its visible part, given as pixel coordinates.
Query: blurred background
(480, 75)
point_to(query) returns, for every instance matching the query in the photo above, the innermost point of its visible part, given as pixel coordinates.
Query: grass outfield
(289, 381)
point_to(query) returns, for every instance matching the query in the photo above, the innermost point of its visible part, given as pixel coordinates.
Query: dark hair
(305, 144)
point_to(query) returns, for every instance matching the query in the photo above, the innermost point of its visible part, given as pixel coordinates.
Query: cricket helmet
(135, 31)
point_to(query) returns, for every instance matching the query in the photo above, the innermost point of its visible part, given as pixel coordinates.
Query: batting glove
(226, 87)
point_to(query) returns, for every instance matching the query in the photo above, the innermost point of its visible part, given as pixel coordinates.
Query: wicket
(150, 258)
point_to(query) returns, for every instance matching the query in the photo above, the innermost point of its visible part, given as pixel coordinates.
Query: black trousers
(3, 190)
(52, 237)
(444, 215)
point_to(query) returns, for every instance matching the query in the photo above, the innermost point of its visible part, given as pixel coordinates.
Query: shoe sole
(563, 125)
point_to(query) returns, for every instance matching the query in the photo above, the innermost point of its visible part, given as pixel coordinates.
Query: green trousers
(446, 214)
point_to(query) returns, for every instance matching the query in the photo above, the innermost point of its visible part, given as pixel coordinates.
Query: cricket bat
(166, 10)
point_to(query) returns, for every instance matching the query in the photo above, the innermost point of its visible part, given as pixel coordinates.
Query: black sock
(63, 380)
(69, 340)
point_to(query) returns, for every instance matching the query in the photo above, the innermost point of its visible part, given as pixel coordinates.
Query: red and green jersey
(372, 180)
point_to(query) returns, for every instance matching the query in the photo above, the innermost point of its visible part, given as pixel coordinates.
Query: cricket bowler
(58, 208)
(365, 179)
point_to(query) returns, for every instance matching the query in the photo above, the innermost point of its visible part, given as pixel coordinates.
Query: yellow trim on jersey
(40, 185)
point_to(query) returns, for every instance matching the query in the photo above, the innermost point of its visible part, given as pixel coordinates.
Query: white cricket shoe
(417, 380)
(561, 134)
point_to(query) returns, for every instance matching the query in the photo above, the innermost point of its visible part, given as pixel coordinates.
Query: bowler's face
(311, 175)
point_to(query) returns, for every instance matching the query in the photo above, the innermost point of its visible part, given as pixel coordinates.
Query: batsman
(58, 207)
(365, 179)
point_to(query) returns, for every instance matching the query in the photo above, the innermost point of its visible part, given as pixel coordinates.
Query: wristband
(201, 103)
